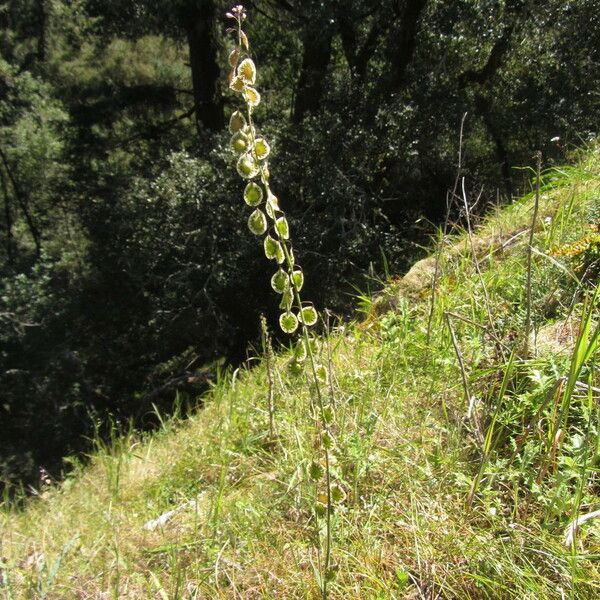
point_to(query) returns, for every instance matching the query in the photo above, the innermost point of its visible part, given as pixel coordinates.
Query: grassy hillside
(460, 483)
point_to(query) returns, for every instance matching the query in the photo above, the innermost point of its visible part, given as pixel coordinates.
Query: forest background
(126, 270)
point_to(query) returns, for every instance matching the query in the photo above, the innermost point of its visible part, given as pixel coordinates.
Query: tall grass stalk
(585, 347)
(488, 444)
(484, 289)
(536, 204)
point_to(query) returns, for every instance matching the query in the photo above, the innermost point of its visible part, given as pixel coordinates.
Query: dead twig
(471, 412)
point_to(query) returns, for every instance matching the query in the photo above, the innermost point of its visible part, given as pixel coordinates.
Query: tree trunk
(8, 219)
(203, 45)
(358, 55)
(402, 45)
(484, 108)
(42, 41)
(315, 60)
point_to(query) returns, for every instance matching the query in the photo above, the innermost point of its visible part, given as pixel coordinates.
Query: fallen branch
(166, 517)
(571, 530)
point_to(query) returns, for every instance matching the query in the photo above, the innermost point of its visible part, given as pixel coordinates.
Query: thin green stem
(530, 250)
(323, 426)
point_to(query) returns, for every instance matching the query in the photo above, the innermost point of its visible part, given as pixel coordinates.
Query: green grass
(409, 456)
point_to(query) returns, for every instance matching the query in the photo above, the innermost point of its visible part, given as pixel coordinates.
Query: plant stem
(323, 427)
(440, 245)
(268, 354)
(530, 251)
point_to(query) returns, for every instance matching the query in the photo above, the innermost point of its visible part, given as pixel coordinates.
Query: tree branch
(500, 50)
(159, 127)
(402, 45)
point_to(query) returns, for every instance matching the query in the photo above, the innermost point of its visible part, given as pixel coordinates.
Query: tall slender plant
(268, 221)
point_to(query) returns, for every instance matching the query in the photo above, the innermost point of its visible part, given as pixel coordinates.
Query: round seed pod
(288, 322)
(257, 222)
(300, 353)
(337, 494)
(247, 71)
(261, 148)
(253, 194)
(239, 142)
(237, 122)
(298, 279)
(272, 248)
(316, 471)
(308, 315)
(234, 56)
(321, 372)
(272, 205)
(237, 84)
(280, 281)
(282, 227)
(280, 255)
(327, 440)
(247, 167)
(251, 96)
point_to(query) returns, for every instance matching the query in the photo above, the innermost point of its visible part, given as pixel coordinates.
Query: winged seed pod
(251, 96)
(247, 166)
(239, 142)
(257, 222)
(234, 56)
(261, 148)
(247, 71)
(280, 281)
(288, 322)
(236, 122)
(237, 84)
(253, 194)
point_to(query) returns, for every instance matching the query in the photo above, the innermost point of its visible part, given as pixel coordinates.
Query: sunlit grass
(408, 457)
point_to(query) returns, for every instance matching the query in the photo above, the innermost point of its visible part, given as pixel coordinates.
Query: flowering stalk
(267, 349)
(269, 220)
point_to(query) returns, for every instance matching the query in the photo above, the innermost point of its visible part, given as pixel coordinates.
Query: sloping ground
(446, 497)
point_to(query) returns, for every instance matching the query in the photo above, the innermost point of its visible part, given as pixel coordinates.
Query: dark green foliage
(125, 262)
